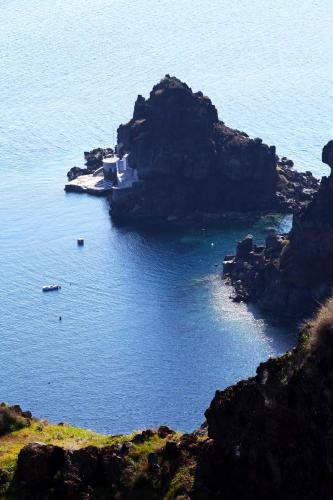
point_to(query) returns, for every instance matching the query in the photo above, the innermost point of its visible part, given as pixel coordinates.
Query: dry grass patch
(321, 328)
(67, 436)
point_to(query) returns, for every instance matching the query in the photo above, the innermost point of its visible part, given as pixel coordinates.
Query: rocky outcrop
(292, 273)
(47, 471)
(4, 477)
(13, 418)
(271, 435)
(190, 163)
(93, 161)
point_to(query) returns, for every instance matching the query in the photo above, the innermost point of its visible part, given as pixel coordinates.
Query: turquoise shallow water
(148, 331)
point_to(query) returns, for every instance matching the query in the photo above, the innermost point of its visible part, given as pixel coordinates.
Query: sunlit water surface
(148, 332)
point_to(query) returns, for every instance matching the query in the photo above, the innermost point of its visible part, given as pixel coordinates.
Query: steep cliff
(271, 436)
(189, 162)
(292, 273)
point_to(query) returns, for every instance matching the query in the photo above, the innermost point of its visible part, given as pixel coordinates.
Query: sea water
(147, 331)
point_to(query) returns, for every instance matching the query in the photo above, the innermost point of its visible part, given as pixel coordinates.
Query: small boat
(50, 288)
(80, 242)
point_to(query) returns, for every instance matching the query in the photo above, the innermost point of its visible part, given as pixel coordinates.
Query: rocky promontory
(190, 164)
(291, 274)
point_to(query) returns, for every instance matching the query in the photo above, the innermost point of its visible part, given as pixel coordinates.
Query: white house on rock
(126, 175)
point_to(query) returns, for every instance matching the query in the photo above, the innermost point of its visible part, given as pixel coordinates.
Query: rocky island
(292, 274)
(186, 165)
(191, 165)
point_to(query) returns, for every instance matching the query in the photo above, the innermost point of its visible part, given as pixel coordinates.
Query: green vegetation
(182, 482)
(10, 420)
(135, 479)
(61, 435)
(286, 362)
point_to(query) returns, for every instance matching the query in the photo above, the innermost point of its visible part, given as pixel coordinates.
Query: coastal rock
(93, 161)
(292, 273)
(13, 418)
(112, 465)
(271, 434)
(38, 463)
(163, 431)
(143, 436)
(4, 477)
(188, 161)
(94, 158)
(75, 172)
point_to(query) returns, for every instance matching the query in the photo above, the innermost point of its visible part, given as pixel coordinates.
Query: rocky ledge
(291, 274)
(190, 164)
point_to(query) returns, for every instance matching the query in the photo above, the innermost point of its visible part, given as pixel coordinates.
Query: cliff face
(293, 273)
(272, 434)
(188, 161)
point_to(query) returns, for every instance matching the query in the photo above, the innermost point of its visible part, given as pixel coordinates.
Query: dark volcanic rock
(94, 158)
(188, 161)
(163, 431)
(271, 435)
(293, 273)
(4, 477)
(112, 465)
(38, 463)
(93, 161)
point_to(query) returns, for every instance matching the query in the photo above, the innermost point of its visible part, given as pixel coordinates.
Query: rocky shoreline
(265, 437)
(291, 274)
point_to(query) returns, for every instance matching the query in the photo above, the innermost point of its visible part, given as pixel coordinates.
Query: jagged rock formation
(93, 161)
(13, 418)
(272, 434)
(115, 471)
(293, 273)
(189, 162)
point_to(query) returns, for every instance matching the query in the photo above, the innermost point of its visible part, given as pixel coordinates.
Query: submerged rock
(188, 161)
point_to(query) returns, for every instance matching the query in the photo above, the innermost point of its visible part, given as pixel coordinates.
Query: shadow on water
(158, 229)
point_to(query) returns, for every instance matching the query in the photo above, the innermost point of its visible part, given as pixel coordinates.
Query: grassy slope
(61, 435)
(72, 438)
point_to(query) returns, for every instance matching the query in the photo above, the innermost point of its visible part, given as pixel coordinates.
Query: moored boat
(49, 288)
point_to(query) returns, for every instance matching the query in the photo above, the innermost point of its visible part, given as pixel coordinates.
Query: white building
(110, 164)
(126, 175)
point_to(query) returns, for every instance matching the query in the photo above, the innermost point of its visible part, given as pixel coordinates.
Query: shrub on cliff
(11, 420)
(321, 328)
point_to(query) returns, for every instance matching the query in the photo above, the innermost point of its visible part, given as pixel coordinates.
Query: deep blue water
(148, 332)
